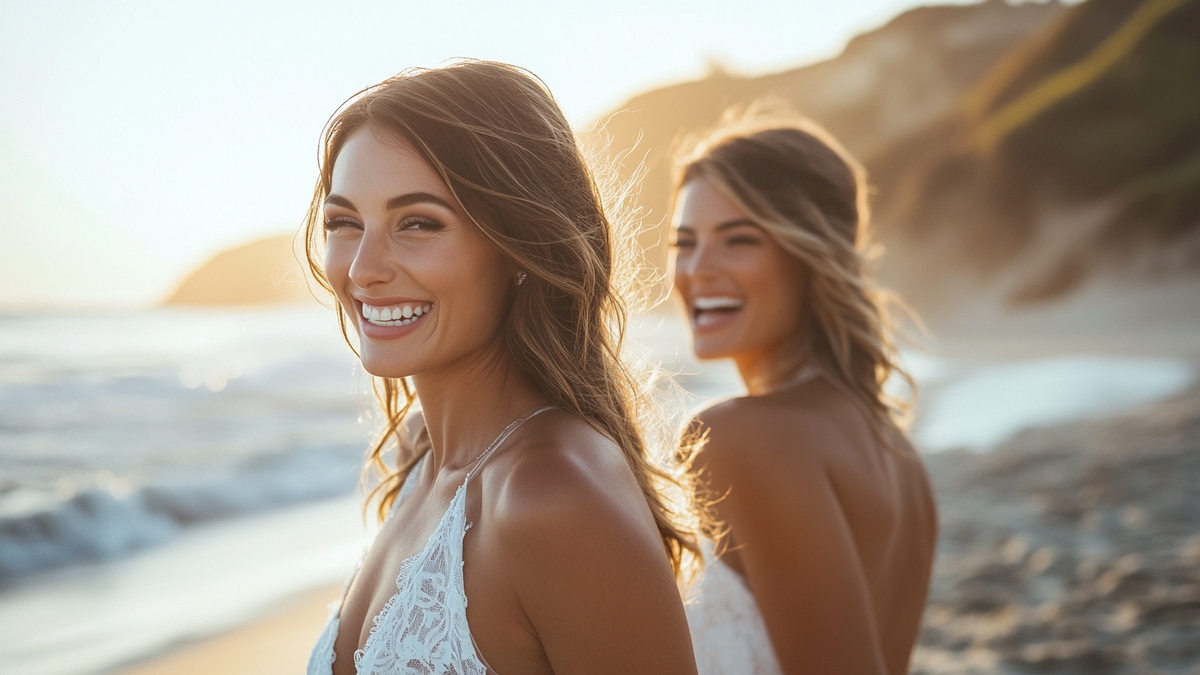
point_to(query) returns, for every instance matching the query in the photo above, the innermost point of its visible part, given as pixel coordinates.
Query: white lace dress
(422, 629)
(728, 633)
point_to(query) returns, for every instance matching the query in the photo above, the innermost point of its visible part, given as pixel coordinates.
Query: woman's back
(830, 515)
(812, 494)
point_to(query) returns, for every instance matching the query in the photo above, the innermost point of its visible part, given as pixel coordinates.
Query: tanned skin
(833, 532)
(564, 569)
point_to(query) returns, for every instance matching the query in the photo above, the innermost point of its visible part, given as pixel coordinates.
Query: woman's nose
(701, 262)
(372, 263)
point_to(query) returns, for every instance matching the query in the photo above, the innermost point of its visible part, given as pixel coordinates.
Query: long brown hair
(499, 141)
(797, 182)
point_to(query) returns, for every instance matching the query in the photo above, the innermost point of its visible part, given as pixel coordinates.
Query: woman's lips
(382, 322)
(713, 312)
(712, 320)
(397, 314)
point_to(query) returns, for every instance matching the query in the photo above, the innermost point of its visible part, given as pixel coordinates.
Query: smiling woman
(398, 260)
(830, 523)
(466, 244)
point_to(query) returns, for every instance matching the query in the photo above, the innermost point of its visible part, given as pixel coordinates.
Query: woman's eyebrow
(730, 224)
(395, 202)
(338, 200)
(417, 198)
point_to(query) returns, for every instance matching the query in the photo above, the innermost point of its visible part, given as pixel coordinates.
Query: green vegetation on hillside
(1079, 151)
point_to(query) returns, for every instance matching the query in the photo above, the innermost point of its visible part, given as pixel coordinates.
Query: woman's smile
(380, 321)
(742, 292)
(714, 312)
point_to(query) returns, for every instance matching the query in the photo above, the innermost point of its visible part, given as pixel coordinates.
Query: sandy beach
(1072, 549)
(277, 644)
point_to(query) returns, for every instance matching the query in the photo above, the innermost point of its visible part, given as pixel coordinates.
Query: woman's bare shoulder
(571, 525)
(796, 426)
(561, 474)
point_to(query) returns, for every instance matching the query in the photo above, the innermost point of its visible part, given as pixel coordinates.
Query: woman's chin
(707, 351)
(385, 368)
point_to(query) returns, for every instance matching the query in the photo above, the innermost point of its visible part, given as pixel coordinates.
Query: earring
(521, 278)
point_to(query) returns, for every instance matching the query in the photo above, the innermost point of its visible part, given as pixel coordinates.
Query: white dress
(728, 633)
(422, 629)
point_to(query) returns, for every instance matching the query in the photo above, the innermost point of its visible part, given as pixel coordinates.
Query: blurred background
(181, 425)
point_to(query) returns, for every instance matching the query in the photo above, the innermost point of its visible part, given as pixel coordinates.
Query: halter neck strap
(809, 372)
(495, 445)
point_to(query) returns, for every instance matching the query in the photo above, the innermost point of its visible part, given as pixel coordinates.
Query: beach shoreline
(1054, 555)
(277, 643)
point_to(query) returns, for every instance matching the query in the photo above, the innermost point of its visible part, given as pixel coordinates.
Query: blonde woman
(465, 242)
(829, 519)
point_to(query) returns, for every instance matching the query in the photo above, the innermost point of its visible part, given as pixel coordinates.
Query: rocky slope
(1076, 153)
(885, 86)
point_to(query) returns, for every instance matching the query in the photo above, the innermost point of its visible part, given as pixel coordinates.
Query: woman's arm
(589, 570)
(793, 541)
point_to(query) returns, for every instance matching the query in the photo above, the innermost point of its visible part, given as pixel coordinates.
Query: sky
(139, 138)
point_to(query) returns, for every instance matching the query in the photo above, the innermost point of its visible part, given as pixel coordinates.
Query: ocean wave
(105, 521)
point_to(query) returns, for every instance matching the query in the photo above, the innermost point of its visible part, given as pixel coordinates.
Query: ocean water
(165, 474)
(117, 431)
(989, 403)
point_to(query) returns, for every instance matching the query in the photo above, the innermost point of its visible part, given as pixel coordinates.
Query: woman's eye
(736, 241)
(341, 223)
(683, 243)
(420, 223)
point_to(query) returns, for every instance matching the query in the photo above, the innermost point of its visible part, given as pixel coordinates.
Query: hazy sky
(137, 138)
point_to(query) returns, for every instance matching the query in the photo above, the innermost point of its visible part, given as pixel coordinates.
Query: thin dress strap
(495, 445)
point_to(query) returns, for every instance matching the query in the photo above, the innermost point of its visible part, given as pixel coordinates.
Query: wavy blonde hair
(797, 183)
(495, 135)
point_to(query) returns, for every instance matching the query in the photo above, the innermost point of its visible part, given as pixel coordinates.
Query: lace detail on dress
(422, 629)
(728, 633)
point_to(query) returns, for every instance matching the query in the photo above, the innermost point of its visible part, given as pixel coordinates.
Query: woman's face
(742, 293)
(423, 285)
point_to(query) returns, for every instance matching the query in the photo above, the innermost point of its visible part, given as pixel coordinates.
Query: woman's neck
(467, 403)
(767, 370)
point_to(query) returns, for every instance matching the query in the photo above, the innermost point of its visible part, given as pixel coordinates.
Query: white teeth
(400, 315)
(705, 304)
